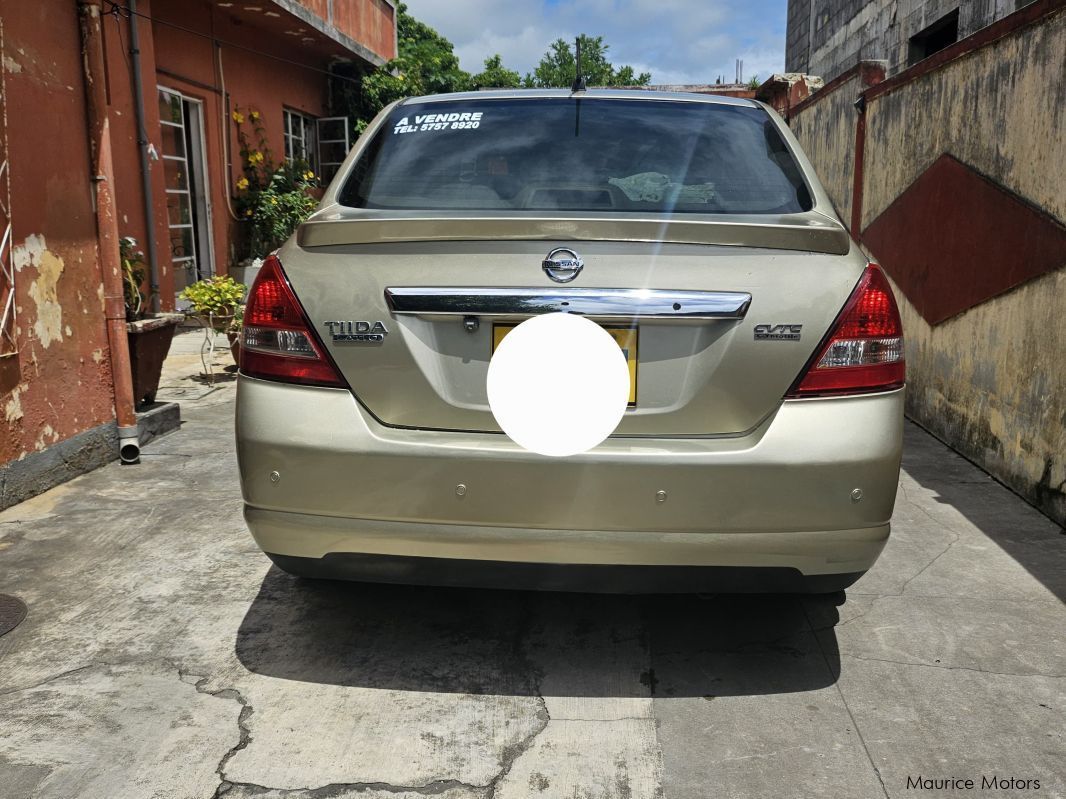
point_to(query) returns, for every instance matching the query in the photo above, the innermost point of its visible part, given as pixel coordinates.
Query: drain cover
(12, 612)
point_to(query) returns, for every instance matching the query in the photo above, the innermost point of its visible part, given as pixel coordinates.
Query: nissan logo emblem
(562, 265)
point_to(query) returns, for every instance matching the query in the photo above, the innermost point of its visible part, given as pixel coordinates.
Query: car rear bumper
(321, 476)
(586, 578)
(400, 546)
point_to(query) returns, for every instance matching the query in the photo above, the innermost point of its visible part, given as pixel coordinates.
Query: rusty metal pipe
(92, 47)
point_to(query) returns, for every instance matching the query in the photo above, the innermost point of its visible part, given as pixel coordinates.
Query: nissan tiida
(760, 445)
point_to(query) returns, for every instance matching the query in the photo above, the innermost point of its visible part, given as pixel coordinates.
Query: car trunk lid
(721, 330)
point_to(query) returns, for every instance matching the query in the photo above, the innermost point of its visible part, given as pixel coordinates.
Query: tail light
(864, 349)
(277, 342)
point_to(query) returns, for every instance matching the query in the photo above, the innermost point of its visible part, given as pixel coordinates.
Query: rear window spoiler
(810, 231)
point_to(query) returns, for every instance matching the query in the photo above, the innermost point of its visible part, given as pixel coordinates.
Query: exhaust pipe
(129, 445)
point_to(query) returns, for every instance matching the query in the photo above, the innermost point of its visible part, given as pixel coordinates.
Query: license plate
(625, 336)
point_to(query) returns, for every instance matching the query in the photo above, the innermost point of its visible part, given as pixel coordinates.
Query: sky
(677, 41)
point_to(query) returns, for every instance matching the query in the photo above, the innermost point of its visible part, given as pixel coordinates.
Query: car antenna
(579, 77)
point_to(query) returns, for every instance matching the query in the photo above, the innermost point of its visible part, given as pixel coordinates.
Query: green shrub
(220, 295)
(277, 209)
(272, 199)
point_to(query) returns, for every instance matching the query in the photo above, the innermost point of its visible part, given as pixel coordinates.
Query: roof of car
(605, 94)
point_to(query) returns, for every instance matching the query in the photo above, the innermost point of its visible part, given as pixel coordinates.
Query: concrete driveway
(163, 657)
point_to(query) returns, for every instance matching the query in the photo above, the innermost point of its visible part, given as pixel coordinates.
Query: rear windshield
(585, 154)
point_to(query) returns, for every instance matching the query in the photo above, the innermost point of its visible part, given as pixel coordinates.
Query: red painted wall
(244, 70)
(59, 383)
(370, 22)
(129, 195)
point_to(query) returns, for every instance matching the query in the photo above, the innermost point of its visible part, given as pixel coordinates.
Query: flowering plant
(280, 206)
(273, 199)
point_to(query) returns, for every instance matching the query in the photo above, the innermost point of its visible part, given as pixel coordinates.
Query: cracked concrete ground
(163, 657)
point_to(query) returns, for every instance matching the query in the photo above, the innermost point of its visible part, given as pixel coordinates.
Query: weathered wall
(827, 130)
(1001, 109)
(991, 379)
(56, 391)
(827, 37)
(190, 63)
(59, 383)
(129, 193)
(179, 52)
(370, 23)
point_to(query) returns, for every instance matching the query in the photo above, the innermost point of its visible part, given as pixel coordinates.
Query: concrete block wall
(827, 130)
(991, 380)
(828, 37)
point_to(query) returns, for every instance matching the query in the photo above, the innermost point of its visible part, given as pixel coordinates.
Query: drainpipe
(92, 45)
(142, 143)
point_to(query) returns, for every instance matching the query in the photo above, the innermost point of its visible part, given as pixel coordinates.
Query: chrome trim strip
(622, 303)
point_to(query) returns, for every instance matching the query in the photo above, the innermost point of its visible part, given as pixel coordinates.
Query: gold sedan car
(761, 447)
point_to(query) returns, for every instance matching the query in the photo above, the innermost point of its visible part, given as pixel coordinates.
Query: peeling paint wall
(178, 53)
(58, 384)
(992, 380)
(31, 257)
(53, 388)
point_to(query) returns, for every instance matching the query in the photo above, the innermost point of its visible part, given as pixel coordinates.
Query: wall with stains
(370, 23)
(229, 78)
(223, 59)
(59, 382)
(827, 37)
(827, 130)
(129, 192)
(58, 385)
(989, 379)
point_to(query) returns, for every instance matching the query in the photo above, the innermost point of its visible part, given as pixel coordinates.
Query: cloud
(678, 41)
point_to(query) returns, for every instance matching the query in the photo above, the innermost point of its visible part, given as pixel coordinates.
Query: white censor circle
(558, 384)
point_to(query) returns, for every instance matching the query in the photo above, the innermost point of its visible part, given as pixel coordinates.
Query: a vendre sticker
(453, 121)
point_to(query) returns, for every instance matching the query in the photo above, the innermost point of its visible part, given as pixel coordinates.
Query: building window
(299, 137)
(183, 150)
(943, 32)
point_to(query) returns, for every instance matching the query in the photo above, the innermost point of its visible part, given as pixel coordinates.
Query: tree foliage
(558, 67)
(496, 76)
(426, 59)
(426, 64)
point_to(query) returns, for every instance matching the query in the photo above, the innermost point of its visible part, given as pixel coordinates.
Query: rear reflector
(864, 349)
(277, 342)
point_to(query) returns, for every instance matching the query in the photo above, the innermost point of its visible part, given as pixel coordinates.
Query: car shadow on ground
(455, 640)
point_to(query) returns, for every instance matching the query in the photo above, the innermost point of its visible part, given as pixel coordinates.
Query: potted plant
(149, 335)
(216, 303)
